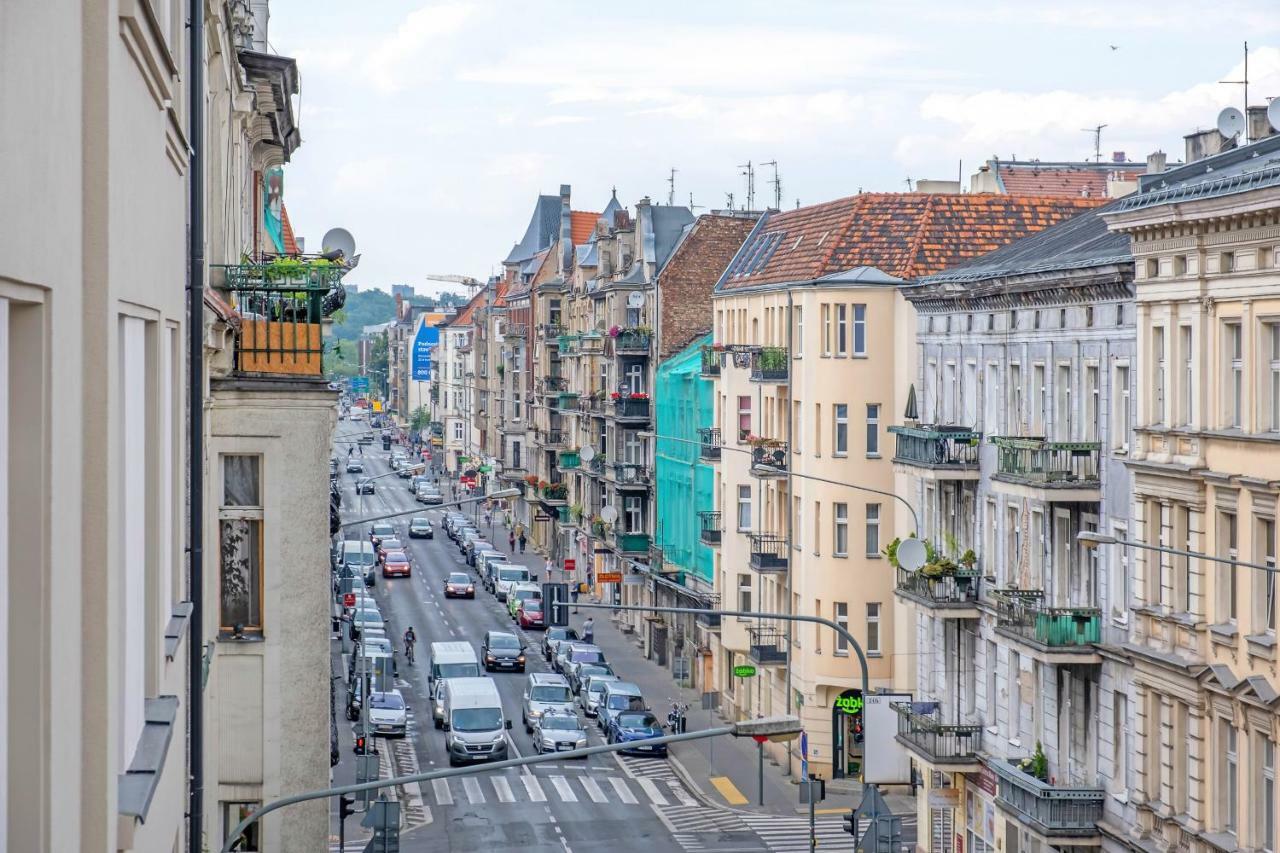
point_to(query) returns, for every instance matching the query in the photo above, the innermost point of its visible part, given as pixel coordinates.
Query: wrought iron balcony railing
(281, 305)
(1052, 464)
(936, 447)
(956, 590)
(710, 439)
(547, 331)
(711, 528)
(631, 474)
(1056, 811)
(768, 552)
(632, 342)
(936, 741)
(631, 408)
(552, 384)
(769, 460)
(768, 645)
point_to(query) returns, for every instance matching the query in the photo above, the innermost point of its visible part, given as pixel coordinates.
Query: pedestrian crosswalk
(790, 834)
(582, 787)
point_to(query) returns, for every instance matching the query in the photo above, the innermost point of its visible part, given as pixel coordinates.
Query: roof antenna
(1097, 140)
(671, 192)
(908, 182)
(694, 207)
(1245, 83)
(777, 185)
(750, 172)
(729, 196)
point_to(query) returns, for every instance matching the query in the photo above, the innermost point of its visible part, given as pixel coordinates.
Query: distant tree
(366, 308)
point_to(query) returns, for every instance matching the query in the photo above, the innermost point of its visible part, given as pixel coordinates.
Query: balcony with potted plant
(768, 456)
(631, 475)
(630, 406)
(770, 364)
(1027, 790)
(947, 587)
(711, 359)
(553, 494)
(1050, 471)
(633, 340)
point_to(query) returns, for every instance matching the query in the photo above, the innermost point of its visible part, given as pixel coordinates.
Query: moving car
(636, 727)
(592, 690)
(558, 732)
(396, 564)
(522, 592)
(420, 528)
(388, 714)
(619, 697)
(544, 693)
(475, 727)
(381, 530)
(530, 614)
(500, 650)
(429, 495)
(554, 637)
(391, 543)
(365, 486)
(459, 585)
(355, 466)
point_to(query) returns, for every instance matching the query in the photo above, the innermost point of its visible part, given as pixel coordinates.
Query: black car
(554, 636)
(364, 487)
(501, 650)
(420, 528)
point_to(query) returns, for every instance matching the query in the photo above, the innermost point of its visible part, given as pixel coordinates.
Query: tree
(421, 418)
(378, 363)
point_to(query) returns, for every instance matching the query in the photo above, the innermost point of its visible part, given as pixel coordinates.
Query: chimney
(1157, 162)
(566, 232)
(1258, 123)
(1117, 157)
(1206, 143)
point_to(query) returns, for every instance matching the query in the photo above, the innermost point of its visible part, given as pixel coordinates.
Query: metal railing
(769, 461)
(770, 364)
(1035, 461)
(547, 331)
(631, 543)
(711, 601)
(1054, 810)
(959, 589)
(569, 344)
(1024, 613)
(768, 552)
(631, 407)
(767, 645)
(552, 383)
(631, 341)
(554, 437)
(711, 527)
(940, 743)
(936, 447)
(711, 361)
(710, 438)
(568, 460)
(630, 474)
(280, 317)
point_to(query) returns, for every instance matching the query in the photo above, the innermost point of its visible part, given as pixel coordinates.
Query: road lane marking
(535, 790)
(729, 791)
(593, 790)
(562, 788)
(472, 786)
(503, 789)
(443, 795)
(678, 790)
(624, 792)
(651, 791)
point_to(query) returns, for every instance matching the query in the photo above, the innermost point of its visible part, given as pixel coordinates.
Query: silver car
(388, 715)
(544, 693)
(592, 690)
(558, 733)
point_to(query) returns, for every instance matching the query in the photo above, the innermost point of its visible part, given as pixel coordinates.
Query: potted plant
(576, 512)
(1037, 765)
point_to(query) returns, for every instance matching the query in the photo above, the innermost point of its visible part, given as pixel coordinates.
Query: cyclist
(409, 639)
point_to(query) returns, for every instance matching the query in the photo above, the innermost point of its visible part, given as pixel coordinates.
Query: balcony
(711, 527)
(281, 305)
(937, 452)
(632, 544)
(634, 407)
(768, 457)
(553, 494)
(596, 466)
(1053, 471)
(768, 552)
(632, 342)
(710, 439)
(591, 343)
(631, 475)
(1053, 634)
(550, 331)
(936, 743)
(953, 595)
(568, 460)
(552, 384)
(768, 646)
(593, 403)
(566, 401)
(1054, 811)
(711, 362)
(569, 345)
(770, 364)
(516, 330)
(709, 620)
(553, 437)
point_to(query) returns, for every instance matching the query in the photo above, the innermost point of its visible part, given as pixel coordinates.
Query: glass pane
(241, 572)
(240, 481)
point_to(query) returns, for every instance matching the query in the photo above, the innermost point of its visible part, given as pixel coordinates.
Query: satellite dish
(587, 453)
(340, 240)
(1231, 122)
(911, 554)
(1273, 113)
(608, 514)
(635, 299)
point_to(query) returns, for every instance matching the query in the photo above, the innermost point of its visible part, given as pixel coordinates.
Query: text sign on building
(744, 670)
(610, 577)
(885, 761)
(570, 564)
(427, 337)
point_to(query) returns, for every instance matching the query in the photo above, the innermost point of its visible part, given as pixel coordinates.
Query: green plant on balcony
(760, 442)
(576, 512)
(532, 480)
(773, 358)
(502, 368)
(1037, 765)
(599, 526)
(555, 491)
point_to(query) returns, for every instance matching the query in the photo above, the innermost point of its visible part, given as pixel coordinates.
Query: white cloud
(364, 176)
(551, 121)
(419, 46)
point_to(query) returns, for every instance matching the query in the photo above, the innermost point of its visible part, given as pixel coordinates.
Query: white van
(455, 659)
(475, 727)
(507, 575)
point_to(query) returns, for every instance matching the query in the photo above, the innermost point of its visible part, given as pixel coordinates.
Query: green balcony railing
(569, 459)
(568, 344)
(632, 342)
(566, 400)
(1056, 811)
(631, 543)
(1024, 613)
(936, 447)
(1036, 461)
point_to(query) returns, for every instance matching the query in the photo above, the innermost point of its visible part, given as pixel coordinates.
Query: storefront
(979, 791)
(846, 732)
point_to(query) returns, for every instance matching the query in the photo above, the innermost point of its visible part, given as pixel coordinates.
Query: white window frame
(840, 616)
(873, 430)
(745, 595)
(840, 429)
(1122, 410)
(873, 628)
(1233, 387)
(1273, 377)
(873, 530)
(840, 530)
(798, 343)
(749, 418)
(859, 330)
(1158, 377)
(842, 330)
(1187, 402)
(744, 508)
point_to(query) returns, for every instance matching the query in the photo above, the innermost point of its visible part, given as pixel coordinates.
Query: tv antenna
(729, 197)
(750, 172)
(908, 183)
(694, 207)
(671, 184)
(1245, 83)
(777, 185)
(1097, 140)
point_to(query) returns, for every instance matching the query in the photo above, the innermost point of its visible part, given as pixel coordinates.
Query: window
(840, 538)
(840, 616)
(1091, 391)
(1265, 808)
(1234, 340)
(633, 511)
(1273, 376)
(817, 429)
(1184, 354)
(1227, 768)
(1228, 575)
(842, 330)
(1227, 262)
(1153, 267)
(240, 543)
(873, 627)
(840, 432)
(1121, 410)
(232, 814)
(1158, 378)
(744, 416)
(135, 441)
(1181, 592)
(873, 530)
(744, 593)
(1120, 314)
(817, 527)
(1062, 403)
(797, 426)
(1120, 575)
(826, 329)
(873, 429)
(1179, 264)
(991, 399)
(457, 430)
(1264, 549)
(744, 507)
(1039, 401)
(1088, 316)
(798, 344)
(859, 330)
(1119, 730)
(1015, 399)
(1062, 318)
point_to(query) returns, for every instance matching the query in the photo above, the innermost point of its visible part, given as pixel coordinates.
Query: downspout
(789, 510)
(195, 418)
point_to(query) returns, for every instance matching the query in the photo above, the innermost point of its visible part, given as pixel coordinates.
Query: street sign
(609, 577)
(384, 819)
(359, 383)
(485, 469)
(804, 754)
(744, 670)
(570, 564)
(760, 738)
(541, 516)
(349, 599)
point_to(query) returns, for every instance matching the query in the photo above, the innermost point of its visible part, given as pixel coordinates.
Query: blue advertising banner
(427, 337)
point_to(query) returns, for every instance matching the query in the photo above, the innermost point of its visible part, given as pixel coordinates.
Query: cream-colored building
(1202, 634)
(453, 392)
(815, 356)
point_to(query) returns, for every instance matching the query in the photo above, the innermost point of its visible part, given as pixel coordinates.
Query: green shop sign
(744, 670)
(485, 469)
(849, 704)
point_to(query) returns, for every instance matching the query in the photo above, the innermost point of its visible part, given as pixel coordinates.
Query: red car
(529, 614)
(395, 564)
(388, 544)
(459, 585)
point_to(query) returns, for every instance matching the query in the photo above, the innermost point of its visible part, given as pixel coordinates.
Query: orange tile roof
(463, 317)
(903, 234)
(500, 294)
(286, 231)
(1061, 180)
(581, 225)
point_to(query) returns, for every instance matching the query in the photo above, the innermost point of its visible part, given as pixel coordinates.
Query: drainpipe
(195, 418)
(788, 510)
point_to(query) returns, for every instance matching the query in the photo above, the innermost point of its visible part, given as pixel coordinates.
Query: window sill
(841, 556)
(875, 556)
(1262, 645)
(229, 637)
(839, 654)
(875, 654)
(137, 785)
(176, 628)
(1224, 633)
(874, 456)
(840, 455)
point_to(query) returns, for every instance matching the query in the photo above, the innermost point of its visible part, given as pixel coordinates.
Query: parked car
(396, 564)
(381, 530)
(592, 690)
(558, 732)
(483, 559)
(508, 575)
(618, 697)
(636, 727)
(580, 672)
(416, 481)
(554, 637)
(530, 614)
(544, 693)
(429, 495)
(355, 466)
(459, 585)
(519, 593)
(452, 521)
(577, 653)
(500, 650)
(388, 714)
(420, 528)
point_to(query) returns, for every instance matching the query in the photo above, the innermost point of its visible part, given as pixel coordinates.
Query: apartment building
(812, 356)
(453, 396)
(1017, 442)
(1202, 634)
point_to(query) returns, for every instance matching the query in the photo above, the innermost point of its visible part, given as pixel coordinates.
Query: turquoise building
(685, 482)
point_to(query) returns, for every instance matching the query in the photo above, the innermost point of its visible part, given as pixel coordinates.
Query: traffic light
(851, 823)
(361, 744)
(857, 729)
(346, 807)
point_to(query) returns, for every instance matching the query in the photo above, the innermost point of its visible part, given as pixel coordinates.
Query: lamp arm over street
(1093, 538)
(501, 493)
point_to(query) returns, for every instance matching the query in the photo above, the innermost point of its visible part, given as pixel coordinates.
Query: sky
(429, 128)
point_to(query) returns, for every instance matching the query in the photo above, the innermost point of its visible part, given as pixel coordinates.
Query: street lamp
(1094, 538)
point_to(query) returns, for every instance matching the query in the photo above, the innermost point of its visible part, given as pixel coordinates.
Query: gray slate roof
(1238, 170)
(544, 227)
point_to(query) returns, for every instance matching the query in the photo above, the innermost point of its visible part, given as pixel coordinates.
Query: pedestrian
(350, 450)
(589, 631)
(546, 569)
(522, 540)
(511, 538)
(361, 446)
(573, 593)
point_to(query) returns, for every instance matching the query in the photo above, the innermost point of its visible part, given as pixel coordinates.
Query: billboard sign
(885, 761)
(359, 383)
(427, 337)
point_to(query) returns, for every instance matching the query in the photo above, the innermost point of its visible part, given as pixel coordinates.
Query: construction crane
(464, 280)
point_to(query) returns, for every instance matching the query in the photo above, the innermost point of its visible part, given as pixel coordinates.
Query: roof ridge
(844, 229)
(926, 221)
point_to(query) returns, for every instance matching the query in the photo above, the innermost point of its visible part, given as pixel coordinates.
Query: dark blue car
(635, 727)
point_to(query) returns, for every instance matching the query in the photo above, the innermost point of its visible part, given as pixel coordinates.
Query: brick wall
(688, 279)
